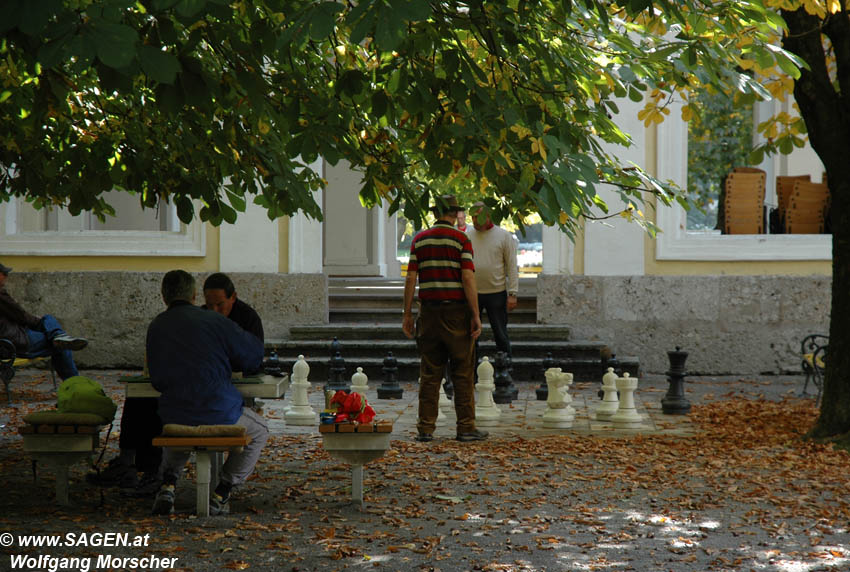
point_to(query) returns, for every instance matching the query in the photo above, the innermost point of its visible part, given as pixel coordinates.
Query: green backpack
(80, 394)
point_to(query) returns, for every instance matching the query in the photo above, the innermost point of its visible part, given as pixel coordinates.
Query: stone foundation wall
(113, 309)
(728, 324)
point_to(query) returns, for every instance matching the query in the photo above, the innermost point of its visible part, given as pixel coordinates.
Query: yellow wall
(207, 263)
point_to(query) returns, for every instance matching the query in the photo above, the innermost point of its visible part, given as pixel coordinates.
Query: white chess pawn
(559, 413)
(444, 399)
(486, 412)
(610, 401)
(300, 412)
(359, 382)
(626, 415)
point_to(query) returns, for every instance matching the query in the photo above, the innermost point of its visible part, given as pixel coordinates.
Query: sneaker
(219, 504)
(164, 501)
(474, 435)
(67, 342)
(424, 437)
(116, 473)
(147, 486)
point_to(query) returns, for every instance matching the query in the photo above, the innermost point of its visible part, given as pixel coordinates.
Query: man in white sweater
(496, 275)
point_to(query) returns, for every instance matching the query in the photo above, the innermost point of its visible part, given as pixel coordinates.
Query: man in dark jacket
(140, 421)
(191, 356)
(34, 336)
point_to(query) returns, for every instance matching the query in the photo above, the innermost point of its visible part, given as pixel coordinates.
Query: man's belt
(441, 302)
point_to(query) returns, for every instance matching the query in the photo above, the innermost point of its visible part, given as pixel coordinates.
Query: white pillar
(305, 237)
(557, 251)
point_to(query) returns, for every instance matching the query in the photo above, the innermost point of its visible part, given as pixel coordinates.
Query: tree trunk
(827, 116)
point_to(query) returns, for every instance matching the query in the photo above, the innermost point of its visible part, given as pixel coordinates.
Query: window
(133, 232)
(678, 241)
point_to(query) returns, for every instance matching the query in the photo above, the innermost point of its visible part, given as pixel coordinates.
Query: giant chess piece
(675, 402)
(559, 413)
(444, 402)
(336, 369)
(390, 389)
(626, 416)
(610, 400)
(360, 382)
(504, 384)
(486, 412)
(543, 391)
(300, 412)
(272, 365)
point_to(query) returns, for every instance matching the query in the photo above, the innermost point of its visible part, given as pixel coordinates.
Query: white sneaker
(67, 342)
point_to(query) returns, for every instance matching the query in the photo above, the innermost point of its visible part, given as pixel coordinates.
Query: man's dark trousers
(496, 306)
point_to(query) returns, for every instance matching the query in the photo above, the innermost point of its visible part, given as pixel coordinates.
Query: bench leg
(217, 462)
(202, 468)
(357, 483)
(61, 470)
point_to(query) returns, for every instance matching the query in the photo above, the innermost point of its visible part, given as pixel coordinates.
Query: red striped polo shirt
(438, 255)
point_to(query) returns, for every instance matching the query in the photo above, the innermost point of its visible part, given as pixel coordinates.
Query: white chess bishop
(486, 412)
(610, 401)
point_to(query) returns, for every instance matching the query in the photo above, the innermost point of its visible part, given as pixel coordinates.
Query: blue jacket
(191, 355)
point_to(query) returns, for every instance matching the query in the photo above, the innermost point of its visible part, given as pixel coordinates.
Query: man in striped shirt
(448, 322)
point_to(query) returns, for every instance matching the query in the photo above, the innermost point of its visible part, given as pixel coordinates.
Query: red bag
(366, 416)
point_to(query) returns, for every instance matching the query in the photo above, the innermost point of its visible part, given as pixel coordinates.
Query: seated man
(191, 355)
(220, 296)
(140, 421)
(34, 336)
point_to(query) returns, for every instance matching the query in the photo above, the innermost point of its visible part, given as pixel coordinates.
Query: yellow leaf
(687, 113)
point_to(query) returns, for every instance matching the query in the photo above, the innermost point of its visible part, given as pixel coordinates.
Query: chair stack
(743, 201)
(784, 190)
(807, 208)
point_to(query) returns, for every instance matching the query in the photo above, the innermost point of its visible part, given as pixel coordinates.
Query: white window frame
(675, 242)
(180, 240)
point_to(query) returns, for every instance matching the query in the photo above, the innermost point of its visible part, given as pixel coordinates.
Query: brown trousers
(442, 335)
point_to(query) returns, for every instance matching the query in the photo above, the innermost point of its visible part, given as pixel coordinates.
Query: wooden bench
(209, 443)
(813, 351)
(59, 441)
(10, 362)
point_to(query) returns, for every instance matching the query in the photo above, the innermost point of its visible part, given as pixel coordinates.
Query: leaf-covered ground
(745, 493)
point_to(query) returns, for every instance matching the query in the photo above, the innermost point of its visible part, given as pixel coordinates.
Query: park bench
(10, 362)
(209, 443)
(813, 351)
(59, 440)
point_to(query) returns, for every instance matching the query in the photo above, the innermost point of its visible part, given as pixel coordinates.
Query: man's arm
(14, 312)
(511, 271)
(471, 292)
(409, 288)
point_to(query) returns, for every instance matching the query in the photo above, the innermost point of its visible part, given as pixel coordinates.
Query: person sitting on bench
(191, 356)
(34, 336)
(140, 421)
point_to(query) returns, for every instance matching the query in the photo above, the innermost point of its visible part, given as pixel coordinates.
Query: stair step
(388, 315)
(392, 331)
(407, 348)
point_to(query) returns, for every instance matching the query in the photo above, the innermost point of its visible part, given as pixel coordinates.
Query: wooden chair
(743, 201)
(807, 207)
(784, 190)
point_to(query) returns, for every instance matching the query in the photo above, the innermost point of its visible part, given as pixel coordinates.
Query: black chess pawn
(390, 389)
(543, 391)
(336, 369)
(272, 365)
(502, 379)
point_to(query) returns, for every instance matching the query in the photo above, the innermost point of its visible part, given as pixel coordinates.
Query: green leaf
(113, 43)
(185, 209)
(160, 66)
(188, 8)
(323, 19)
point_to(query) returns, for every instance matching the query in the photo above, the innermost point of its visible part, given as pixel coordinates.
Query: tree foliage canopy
(216, 101)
